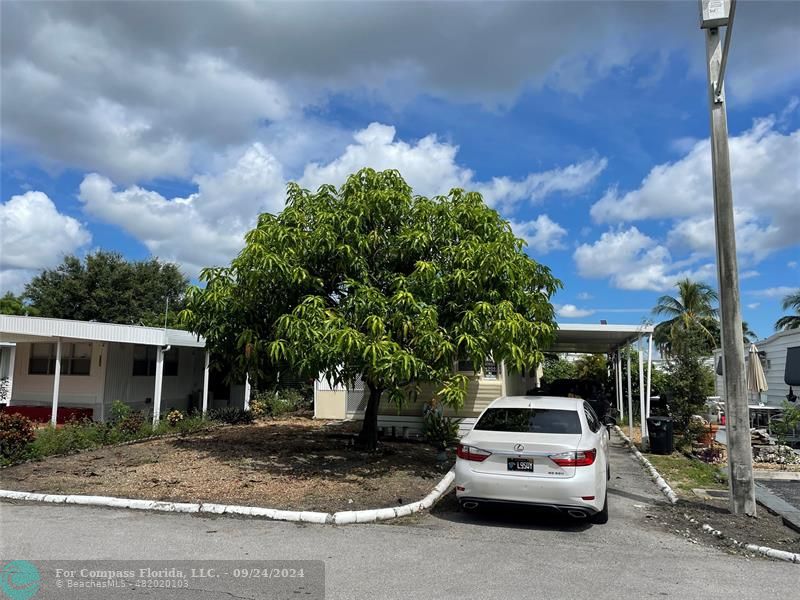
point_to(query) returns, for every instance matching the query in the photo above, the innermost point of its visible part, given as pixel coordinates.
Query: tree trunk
(368, 438)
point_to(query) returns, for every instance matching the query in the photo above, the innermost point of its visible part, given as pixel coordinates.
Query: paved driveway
(447, 554)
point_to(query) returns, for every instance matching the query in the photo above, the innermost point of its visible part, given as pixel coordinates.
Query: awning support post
(247, 391)
(205, 382)
(630, 393)
(11, 361)
(56, 384)
(649, 369)
(159, 380)
(642, 407)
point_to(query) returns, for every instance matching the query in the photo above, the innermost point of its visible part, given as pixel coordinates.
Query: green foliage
(231, 415)
(131, 424)
(372, 280)
(16, 434)
(437, 429)
(15, 305)
(592, 367)
(106, 287)
(790, 302)
(688, 382)
(691, 314)
(784, 425)
(685, 474)
(119, 410)
(555, 368)
(277, 403)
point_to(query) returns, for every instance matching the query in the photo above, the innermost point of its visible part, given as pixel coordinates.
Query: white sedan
(540, 451)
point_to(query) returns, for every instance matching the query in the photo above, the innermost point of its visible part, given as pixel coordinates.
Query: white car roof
(538, 402)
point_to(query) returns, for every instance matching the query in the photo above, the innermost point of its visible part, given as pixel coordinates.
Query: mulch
(293, 464)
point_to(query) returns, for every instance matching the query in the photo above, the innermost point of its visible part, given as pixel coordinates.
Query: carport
(615, 341)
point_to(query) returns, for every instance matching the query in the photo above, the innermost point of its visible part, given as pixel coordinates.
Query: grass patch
(684, 473)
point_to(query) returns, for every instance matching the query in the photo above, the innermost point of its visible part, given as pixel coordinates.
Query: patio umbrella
(756, 380)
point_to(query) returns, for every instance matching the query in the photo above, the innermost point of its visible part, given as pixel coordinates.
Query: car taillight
(581, 458)
(472, 453)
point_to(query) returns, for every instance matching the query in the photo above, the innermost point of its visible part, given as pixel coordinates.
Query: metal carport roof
(596, 338)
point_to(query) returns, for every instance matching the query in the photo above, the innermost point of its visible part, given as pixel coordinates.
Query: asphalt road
(446, 554)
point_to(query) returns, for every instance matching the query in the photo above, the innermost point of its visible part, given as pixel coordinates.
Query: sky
(164, 128)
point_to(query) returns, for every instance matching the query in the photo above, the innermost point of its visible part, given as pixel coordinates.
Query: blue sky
(165, 128)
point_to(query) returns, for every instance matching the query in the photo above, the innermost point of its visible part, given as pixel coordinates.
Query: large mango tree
(370, 280)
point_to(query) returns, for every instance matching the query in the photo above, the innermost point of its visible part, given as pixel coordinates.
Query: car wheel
(601, 517)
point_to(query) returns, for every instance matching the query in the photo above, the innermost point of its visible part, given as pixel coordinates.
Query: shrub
(131, 424)
(277, 403)
(231, 415)
(119, 410)
(73, 436)
(437, 429)
(174, 417)
(16, 434)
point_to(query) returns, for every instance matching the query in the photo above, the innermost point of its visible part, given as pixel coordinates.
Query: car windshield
(530, 420)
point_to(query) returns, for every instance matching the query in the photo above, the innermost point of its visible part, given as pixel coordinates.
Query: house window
(76, 359)
(144, 361)
(489, 369)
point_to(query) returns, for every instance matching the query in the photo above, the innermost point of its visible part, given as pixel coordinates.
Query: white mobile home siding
(85, 391)
(137, 391)
(774, 348)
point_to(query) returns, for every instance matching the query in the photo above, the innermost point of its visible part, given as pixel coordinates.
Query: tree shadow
(328, 453)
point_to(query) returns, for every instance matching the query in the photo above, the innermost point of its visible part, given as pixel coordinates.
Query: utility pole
(715, 14)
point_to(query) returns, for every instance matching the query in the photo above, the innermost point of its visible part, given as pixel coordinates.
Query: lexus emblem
(519, 447)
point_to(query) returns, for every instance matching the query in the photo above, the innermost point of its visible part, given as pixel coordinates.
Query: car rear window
(530, 420)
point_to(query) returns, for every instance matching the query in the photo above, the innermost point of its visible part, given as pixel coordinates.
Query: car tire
(601, 518)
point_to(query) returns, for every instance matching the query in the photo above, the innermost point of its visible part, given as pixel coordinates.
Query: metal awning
(596, 338)
(15, 328)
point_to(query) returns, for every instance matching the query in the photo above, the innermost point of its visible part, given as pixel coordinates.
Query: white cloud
(584, 296)
(574, 178)
(206, 228)
(570, 311)
(754, 305)
(774, 292)
(203, 229)
(634, 261)
(542, 234)
(34, 236)
(792, 264)
(749, 274)
(766, 190)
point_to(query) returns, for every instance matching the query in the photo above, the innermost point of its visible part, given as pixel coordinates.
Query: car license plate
(520, 464)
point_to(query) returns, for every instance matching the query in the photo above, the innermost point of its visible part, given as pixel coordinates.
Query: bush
(119, 410)
(131, 424)
(174, 417)
(16, 434)
(277, 403)
(73, 436)
(231, 415)
(437, 429)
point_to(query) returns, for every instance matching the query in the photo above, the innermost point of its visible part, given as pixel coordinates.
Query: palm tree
(750, 336)
(691, 313)
(790, 302)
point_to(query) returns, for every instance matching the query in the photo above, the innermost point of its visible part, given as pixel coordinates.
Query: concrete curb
(763, 550)
(338, 518)
(656, 476)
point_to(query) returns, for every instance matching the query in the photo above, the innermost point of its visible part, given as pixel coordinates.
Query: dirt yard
(297, 464)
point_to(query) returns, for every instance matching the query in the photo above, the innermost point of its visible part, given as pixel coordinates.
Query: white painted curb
(659, 480)
(338, 518)
(763, 550)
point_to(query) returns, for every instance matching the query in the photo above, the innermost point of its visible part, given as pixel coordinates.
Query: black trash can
(659, 429)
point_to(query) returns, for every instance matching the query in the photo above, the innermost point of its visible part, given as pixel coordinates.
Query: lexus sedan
(539, 451)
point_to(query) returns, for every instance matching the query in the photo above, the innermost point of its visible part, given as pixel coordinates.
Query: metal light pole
(716, 14)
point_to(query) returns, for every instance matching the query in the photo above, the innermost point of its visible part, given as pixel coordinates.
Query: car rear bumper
(563, 508)
(581, 491)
